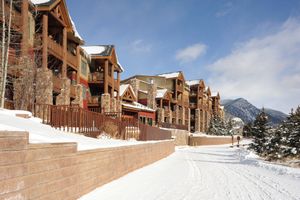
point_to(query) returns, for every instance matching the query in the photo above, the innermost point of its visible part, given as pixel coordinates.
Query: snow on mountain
(247, 112)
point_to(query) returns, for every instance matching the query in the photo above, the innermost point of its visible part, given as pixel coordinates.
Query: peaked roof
(193, 82)
(161, 93)
(99, 50)
(126, 87)
(42, 2)
(170, 74)
(102, 50)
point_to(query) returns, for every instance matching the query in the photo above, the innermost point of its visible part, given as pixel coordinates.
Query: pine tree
(260, 132)
(247, 130)
(292, 134)
(217, 126)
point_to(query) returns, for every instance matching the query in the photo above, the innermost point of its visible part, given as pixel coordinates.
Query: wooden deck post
(45, 42)
(25, 28)
(64, 66)
(106, 76)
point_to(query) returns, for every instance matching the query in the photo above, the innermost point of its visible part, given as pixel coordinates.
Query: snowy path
(205, 173)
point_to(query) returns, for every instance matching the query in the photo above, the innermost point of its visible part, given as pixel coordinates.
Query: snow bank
(41, 133)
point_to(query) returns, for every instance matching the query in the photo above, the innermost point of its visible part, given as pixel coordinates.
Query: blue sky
(226, 43)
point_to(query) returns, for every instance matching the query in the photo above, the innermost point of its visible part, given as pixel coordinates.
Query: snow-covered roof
(143, 91)
(214, 94)
(170, 75)
(161, 93)
(76, 33)
(192, 82)
(94, 50)
(124, 87)
(37, 2)
(138, 106)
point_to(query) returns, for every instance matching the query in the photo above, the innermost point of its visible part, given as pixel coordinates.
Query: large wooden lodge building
(70, 73)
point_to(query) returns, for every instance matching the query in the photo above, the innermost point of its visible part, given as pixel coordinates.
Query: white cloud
(227, 8)
(264, 70)
(191, 53)
(140, 46)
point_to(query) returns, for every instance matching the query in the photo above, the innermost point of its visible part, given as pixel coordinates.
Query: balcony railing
(72, 60)
(55, 48)
(96, 77)
(93, 100)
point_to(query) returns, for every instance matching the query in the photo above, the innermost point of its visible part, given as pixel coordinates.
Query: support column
(64, 65)
(197, 120)
(45, 42)
(78, 64)
(119, 80)
(189, 119)
(106, 76)
(113, 82)
(25, 35)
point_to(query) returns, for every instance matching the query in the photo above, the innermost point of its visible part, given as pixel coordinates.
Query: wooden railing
(71, 59)
(96, 77)
(92, 124)
(55, 48)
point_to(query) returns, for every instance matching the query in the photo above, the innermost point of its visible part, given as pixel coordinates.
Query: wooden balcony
(55, 48)
(96, 77)
(193, 94)
(72, 60)
(116, 84)
(93, 101)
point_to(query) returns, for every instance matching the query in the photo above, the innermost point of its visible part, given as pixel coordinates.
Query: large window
(83, 68)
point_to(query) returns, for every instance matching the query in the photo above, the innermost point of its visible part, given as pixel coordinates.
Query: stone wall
(105, 102)
(59, 171)
(152, 90)
(64, 97)
(78, 99)
(211, 140)
(181, 136)
(44, 86)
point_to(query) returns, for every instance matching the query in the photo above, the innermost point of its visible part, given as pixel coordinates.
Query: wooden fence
(78, 120)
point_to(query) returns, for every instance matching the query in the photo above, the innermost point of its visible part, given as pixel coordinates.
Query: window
(83, 68)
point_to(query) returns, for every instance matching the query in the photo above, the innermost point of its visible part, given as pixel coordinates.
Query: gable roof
(161, 93)
(126, 87)
(170, 74)
(42, 2)
(193, 82)
(99, 50)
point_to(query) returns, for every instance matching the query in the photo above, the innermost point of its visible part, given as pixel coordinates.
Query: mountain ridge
(243, 109)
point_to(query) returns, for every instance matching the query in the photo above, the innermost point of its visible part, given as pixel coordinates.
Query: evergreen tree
(217, 126)
(260, 132)
(247, 130)
(292, 134)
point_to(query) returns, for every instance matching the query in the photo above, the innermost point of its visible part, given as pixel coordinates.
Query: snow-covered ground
(41, 133)
(209, 172)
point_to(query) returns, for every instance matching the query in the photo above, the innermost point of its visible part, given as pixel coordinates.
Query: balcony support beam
(45, 42)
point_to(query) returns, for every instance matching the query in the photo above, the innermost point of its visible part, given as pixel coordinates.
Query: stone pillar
(197, 120)
(78, 100)
(183, 116)
(113, 105)
(135, 84)
(160, 115)
(170, 117)
(44, 88)
(64, 97)
(152, 90)
(176, 114)
(105, 102)
(189, 119)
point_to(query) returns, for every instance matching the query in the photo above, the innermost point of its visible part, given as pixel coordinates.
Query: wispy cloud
(264, 70)
(225, 10)
(191, 53)
(140, 46)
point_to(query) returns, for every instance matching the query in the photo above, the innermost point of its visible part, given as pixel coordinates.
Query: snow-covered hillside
(211, 172)
(247, 112)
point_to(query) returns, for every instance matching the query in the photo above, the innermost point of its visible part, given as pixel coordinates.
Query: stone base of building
(64, 97)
